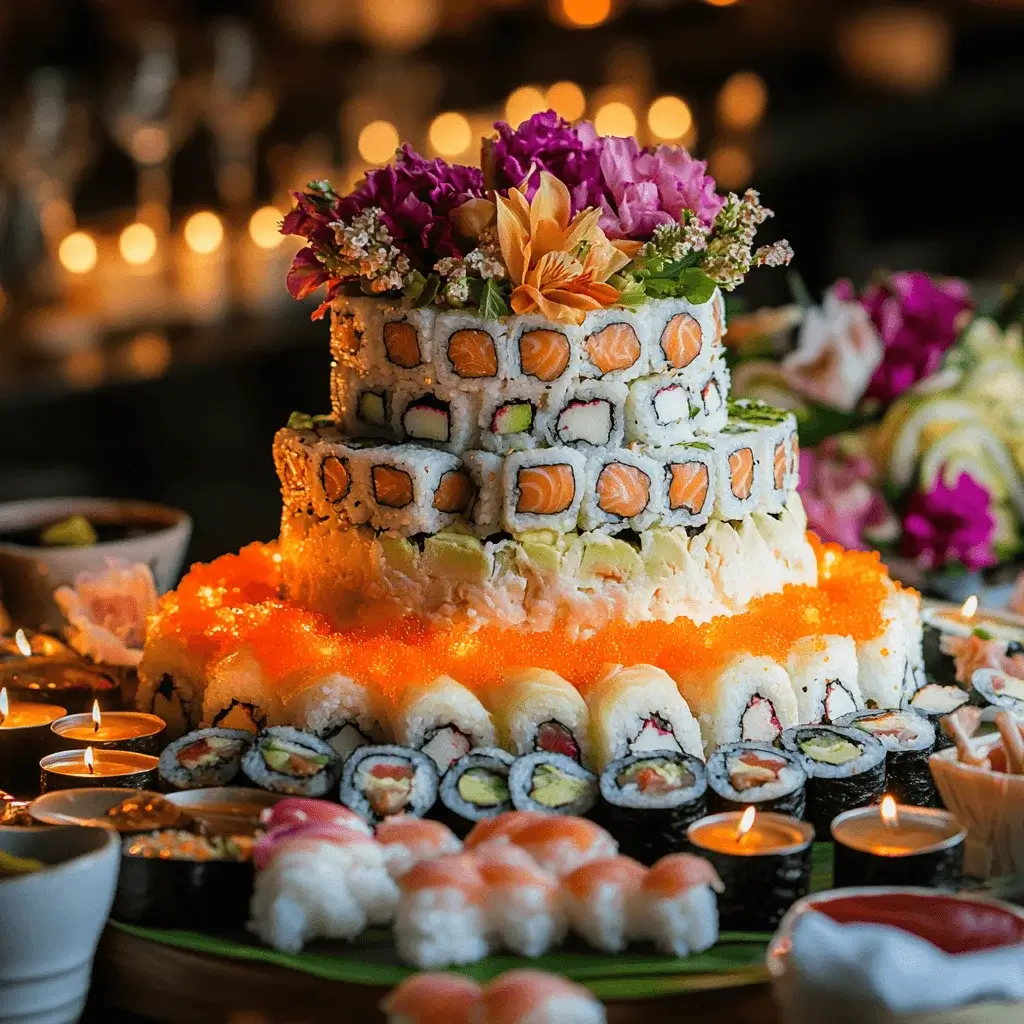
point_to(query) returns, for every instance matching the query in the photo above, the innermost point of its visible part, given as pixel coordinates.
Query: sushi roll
(534, 997)
(442, 913)
(378, 782)
(239, 695)
(367, 405)
(292, 451)
(204, 758)
(287, 760)
(738, 451)
(469, 351)
(613, 346)
(502, 829)
(444, 998)
(689, 481)
(934, 701)
(543, 488)
(624, 491)
(172, 678)
(407, 841)
(909, 739)
(680, 335)
(710, 415)
(525, 908)
(553, 783)
(742, 775)
(845, 769)
(676, 907)
(891, 663)
(660, 410)
(649, 800)
(535, 709)
(443, 719)
(353, 319)
(999, 690)
(542, 351)
(484, 512)
(638, 709)
(475, 787)
(515, 416)
(588, 415)
(401, 341)
(823, 671)
(561, 844)
(435, 416)
(750, 699)
(600, 898)
(331, 488)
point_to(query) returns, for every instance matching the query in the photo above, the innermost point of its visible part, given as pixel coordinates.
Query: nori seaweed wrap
(909, 739)
(204, 758)
(475, 788)
(845, 769)
(748, 773)
(287, 760)
(552, 783)
(934, 701)
(380, 781)
(990, 688)
(649, 800)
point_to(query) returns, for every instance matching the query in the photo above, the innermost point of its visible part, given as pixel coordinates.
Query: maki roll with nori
(745, 774)
(909, 739)
(649, 800)
(204, 758)
(475, 788)
(990, 688)
(552, 783)
(934, 701)
(845, 769)
(380, 781)
(287, 760)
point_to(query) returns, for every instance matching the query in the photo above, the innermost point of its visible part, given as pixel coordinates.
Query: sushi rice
(625, 490)
(680, 335)
(239, 695)
(676, 907)
(526, 912)
(823, 671)
(600, 898)
(378, 782)
(560, 844)
(204, 758)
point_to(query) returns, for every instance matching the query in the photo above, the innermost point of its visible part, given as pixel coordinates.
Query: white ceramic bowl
(29, 575)
(50, 921)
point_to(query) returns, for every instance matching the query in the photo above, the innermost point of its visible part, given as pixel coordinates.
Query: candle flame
(97, 720)
(746, 823)
(888, 810)
(970, 607)
(22, 643)
(4, 708)
(90, 759)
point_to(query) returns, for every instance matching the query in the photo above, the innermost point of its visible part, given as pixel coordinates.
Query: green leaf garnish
(492, 302)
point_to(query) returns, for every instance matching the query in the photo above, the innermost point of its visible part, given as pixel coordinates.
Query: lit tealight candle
(894, 844)
(764, 860)
(24, 738)
(79, 769)
(126, 730)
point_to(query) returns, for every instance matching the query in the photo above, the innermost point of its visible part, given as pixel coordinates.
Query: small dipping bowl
(92, 808)
(226, 810)
(120, 730)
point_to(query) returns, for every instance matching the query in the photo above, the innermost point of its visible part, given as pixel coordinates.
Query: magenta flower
(842, 503)
(918, 318)
(648, 187)
(950, 524)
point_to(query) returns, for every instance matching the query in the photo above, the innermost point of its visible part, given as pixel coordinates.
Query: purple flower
(918, 318)
(648, 187)
(949, 524)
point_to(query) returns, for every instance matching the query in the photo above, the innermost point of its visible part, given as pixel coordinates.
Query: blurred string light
(742, 101)
(731, 166)
(146, 355)
(669, 117)
(720, 3)
(137, 244)
(83, 368)
(150, 145)
(204, 232)
(265, 227)
(615, 118)
(903, 48)
(398, 25)
(567, 99)
(523, 103)
(582, 13)
(378, 141)
(450, 133)
(77, 253)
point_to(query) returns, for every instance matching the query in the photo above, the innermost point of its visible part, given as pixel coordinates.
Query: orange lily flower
(559, 268)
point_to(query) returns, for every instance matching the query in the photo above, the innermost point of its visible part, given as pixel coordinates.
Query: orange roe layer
(295, 645)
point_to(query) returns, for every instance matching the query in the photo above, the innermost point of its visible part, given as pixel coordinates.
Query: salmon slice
(546, 490)
(335, 478)
(681, 340)
(716, 314)
(795, 465)
(544, 354)
(780, 465)
(391, 487)
(615, 347)
(623, 490)
(454, 492)
(688, 486)
(402, 344)
(741, 472)
(472, 354)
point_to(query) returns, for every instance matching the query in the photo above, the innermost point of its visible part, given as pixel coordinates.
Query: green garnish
(74, 532)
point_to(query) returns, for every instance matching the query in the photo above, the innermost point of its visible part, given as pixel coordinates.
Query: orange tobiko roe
(294, 644)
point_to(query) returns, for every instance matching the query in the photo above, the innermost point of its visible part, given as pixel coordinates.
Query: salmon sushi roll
(435, 416)
(624, 492)
(501, 829)
(588, 415)
(474, 788)
(890, 664)
(676, 906)
(688, 477)
(407, 841)
(561, 844)
(469, 352)
(737, 449)
(484, 469)
(773, 450)
(680, 335)
(432, 999)
(542, 351)
(526, 912)
(600, 898)
(401, 341)
(534, 997)
(543, 488)
(613, 346)
(331, 489)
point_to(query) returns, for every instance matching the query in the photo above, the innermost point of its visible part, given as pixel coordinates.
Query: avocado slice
(399, 553)
(554, 788)
(482, 788)
(512, 418)
(457, 556)
(609, 559)
(830, 749)
(372, 408)
(666, 553)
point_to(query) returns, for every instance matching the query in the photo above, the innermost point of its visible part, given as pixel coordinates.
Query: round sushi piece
(909, 739)
(990, 688)
(745, 774)
(407, 841)
(934, 701)
(599, 897)
(649, 800)
(432, 998)
(560, 844)
(553, 783)
(534, 997)
(677, 907)
(287, 760)
(503, 828)
(845, 769)
(204, 758)
(381, 781)
(525, 905)
(474, 788)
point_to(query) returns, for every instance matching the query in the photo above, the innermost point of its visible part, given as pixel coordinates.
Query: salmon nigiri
(600, 898)
(502, 827)
(562, 843)
(526, 912)
(535, 997)
(676, 905)
(408, 840)
(432, 999)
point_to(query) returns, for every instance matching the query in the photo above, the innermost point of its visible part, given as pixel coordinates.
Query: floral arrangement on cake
(557, 220)
(910, 412)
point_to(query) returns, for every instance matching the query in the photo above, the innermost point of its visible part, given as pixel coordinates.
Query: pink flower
(842, 504)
